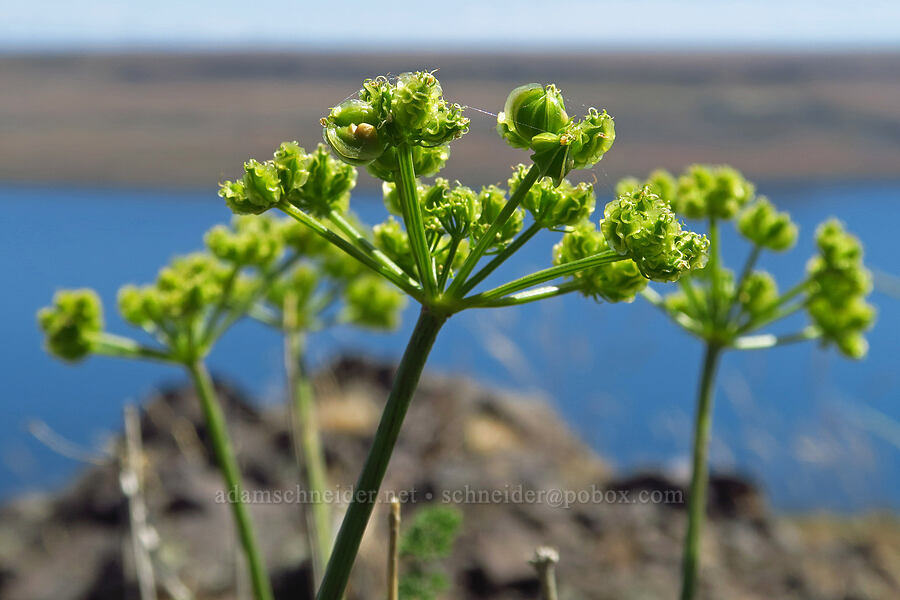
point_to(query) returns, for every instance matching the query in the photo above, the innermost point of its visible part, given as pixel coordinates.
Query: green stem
(403, 282)
(345, 226)
(116, 346)
(685, 282)
(448, 263)
(715, 276)
(544, 276)
(501, 257)
(768, 340)
(541, 293)
(745, 272)
(367, 486)
(699, 476)
(308, 443)
(534, 173)
(412, 217)
(224, 453)
(681, 319)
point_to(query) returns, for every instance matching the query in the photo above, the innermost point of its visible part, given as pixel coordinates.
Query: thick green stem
(224, 453)
(501, 257)
(532, 295)
(415, 223)
(699, 476)
(533, 174)
(347, 228)
(369, 483)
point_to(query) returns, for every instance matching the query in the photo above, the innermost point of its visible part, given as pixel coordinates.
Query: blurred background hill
(190, 119)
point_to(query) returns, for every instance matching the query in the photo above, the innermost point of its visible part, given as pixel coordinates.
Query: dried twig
(544, 562)
(393, 566)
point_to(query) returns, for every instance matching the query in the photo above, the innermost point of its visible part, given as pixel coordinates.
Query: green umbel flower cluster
(492, 199)
(427, 161)
(614, 282)
(181, 293)
(838, 284)
(249, 241)
(450, 210)
(555, 206)
(701, 192)
(535, 118)
(411, 111)
(641, 226)
(70, 322)
(315, 183)
(765, 227)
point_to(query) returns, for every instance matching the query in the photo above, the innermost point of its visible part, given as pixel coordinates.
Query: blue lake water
(816, 430)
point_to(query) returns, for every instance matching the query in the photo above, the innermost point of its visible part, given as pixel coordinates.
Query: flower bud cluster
(641, 226)
(838, 285)
(69, 323)
(410, 111)
(767, 228)
(370, 302)
(315, 183)
(492, 199)
(614, 282)
(450, 210)
(555, 206)
(535, 118)
(251, 241)
(181, 292)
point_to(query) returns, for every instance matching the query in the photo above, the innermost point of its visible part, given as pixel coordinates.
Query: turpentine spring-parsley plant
(439, 231)
(259, 266)
(728, 313)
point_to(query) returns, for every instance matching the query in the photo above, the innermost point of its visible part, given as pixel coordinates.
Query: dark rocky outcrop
(523, 478)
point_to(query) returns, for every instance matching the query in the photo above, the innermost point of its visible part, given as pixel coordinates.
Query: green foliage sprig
(727, 312)
(429, 539)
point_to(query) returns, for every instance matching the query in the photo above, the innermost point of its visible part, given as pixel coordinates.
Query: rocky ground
(75, 544)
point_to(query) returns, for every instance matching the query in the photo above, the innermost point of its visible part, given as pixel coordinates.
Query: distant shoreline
(182, 121)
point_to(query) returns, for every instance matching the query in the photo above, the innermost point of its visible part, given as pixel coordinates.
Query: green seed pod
(356, 144)
(292, 163)
(614, 282)
(262, 184)
(427, 161)
(139, 305)
(370, 302)
(552, 155)
(530, 110)
(415, 100)
(592, 138)
(627, 186)
(391, 239)
(765, 227)
(555, 206)
(328, 186)
(642, 227)
(69, 323)
(758, 294)
(492, 199)
(705, 191)
(249, 241)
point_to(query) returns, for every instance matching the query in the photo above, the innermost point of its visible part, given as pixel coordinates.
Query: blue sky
(462, 24)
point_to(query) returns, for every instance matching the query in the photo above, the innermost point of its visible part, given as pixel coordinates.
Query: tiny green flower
(262, 184)
(292, 163)
(452, 209)
(327, 187)
(614, 282)
(391, 239)
(555, 206)
(593, 138)
(492, 199)
(705, 191)
(69, 323)
(643, 227)
(764, 226)
(371, 302)
(531, 109)
(249, 241)
(758, 295)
